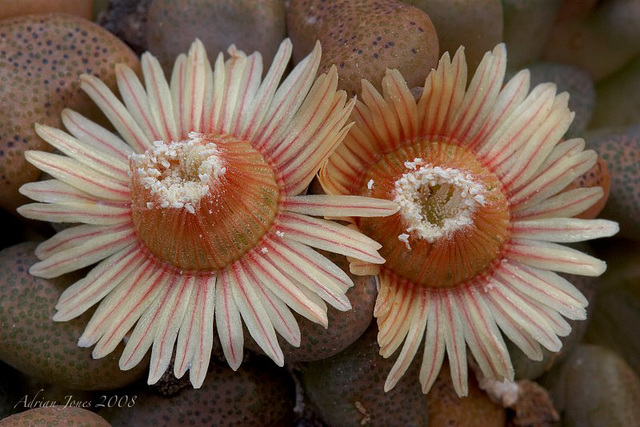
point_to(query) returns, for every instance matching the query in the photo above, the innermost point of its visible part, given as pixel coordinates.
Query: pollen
(435, 202)
(179, 174)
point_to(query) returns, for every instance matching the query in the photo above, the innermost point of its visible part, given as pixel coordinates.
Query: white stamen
(452, 195)
(179, 174)
(279, 233)
(370, 184)
(264, 250)
(405, 238)
(412, 165)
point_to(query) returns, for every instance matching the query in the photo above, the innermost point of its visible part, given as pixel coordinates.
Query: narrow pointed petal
(394, 326)
(94, 135)
(509, 98)
(298, 174)
(73, 237)
(516, 334)
(354, 155)
(319, 103)
(144, 334)
(541, 143)
(307, 272)
(280, 315)
(338, 206)
(442, 95)
(214, 87)
(120, 309)
(245, 101)
(178, 92)
(386, 125)
(560, 326)
(546, 287)
(286, 290)
(160, 102)
(554, 257)
(136, 100)
(77, 175)
(195, 339)
(254, 314)
(566, 204)
(234, 71)
(105, 163)
(89, 252)
(514, 313)
(324, 111)
(55, 191)
(516, 130)
(398, 96)
(116, 112)
(483, 337)
(453, 332)
(286, 101)
(557, 178)
(255, 111)
(314, 133)
(480, 97)
(87, 213)
(169, 322)
(101, 280)
(563, 229)
(188, 89)
(434, 345)
(323, 234)
(411, 343)
(228, 320)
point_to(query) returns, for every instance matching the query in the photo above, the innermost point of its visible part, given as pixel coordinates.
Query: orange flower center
(202, 203)
(453, 216)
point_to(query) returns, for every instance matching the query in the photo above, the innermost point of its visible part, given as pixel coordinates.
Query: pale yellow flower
(194, 213)
(478, 172)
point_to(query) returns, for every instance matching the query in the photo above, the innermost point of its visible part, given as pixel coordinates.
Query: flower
(195, 212)
(478, 173)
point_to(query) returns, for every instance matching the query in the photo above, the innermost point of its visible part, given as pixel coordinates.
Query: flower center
(453, 214)
(202, 203)
(436, 202)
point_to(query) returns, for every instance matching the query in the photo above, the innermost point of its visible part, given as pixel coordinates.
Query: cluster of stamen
(435, 202)
(179, 174)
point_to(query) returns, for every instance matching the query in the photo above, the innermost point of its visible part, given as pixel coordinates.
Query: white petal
(169, 321)
(90, 251)
(254, 315)
(554, 257)
(115, 111)
(412, 342)
(330, 236)
(228, 321)
(563, 229)
(338, 206)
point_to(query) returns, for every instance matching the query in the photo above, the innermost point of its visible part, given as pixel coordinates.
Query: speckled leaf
(55, 416)
(595, 387)
(621, 153)
(475, 24)
(363, 38)
(39, 347)
(249, 24)
(258, 393)
(347, 389)
(41, 58)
